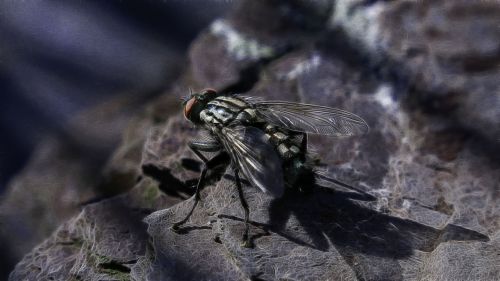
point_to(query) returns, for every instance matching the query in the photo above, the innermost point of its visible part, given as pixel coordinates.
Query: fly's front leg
(246, 241)
(197, 148)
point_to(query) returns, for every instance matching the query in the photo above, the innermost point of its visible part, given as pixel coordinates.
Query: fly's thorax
(224, 110)
(247, 116)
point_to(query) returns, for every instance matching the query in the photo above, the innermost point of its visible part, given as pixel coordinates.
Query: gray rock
(300, 238)
(447, 50)
(63, 173)
(436, 215)
(103, 242)
(230, 53)
(28, 215)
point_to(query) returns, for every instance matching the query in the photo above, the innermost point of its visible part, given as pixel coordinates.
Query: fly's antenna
(185, 99)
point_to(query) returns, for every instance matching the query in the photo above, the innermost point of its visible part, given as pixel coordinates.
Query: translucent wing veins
(308, 118)
(255, 157)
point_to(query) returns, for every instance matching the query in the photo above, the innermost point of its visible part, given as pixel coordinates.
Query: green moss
(117, 271)
(108, 266)
(150, 193)
(99, 259)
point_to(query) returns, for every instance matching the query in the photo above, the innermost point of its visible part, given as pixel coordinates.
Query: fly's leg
(246, 241)
(196, 196)
(200, 146)
(305, 178)
(303, 144)
(197, 147)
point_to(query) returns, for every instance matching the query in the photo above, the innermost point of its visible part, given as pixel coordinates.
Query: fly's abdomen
(286, 145)
(298, 174)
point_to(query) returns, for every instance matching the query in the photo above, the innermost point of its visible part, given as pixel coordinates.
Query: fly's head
(196, 102)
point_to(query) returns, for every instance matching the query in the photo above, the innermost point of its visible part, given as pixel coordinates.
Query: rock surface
(448, 50)
(435, 171)
(63, 173)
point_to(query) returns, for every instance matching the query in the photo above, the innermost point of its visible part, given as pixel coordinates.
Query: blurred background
(59, 58)
(77, 70)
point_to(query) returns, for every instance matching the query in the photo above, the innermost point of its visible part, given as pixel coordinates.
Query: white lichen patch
(365, 21)
(304, 67)
(384, 97)
(238, 45)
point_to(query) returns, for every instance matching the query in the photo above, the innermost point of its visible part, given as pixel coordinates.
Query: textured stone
(63, 173)
(300, 237)
(448, 50)
(103, 242)
(436, 214)
(229, 54)
(27, 215)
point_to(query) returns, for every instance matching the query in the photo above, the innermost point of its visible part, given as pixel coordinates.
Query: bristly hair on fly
(185, 99)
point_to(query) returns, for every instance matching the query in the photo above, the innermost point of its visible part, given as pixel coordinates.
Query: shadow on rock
(331, 218)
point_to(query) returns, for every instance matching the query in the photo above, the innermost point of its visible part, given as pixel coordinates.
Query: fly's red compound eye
(189, 107)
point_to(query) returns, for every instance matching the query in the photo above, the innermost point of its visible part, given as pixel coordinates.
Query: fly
(266, 141)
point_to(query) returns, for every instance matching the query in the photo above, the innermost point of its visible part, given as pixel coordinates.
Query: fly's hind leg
(246, 239)
(303, 144)
(197, 148)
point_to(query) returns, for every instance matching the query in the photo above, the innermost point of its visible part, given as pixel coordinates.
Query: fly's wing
(255, 157)
(206, 142)
(308, 118)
